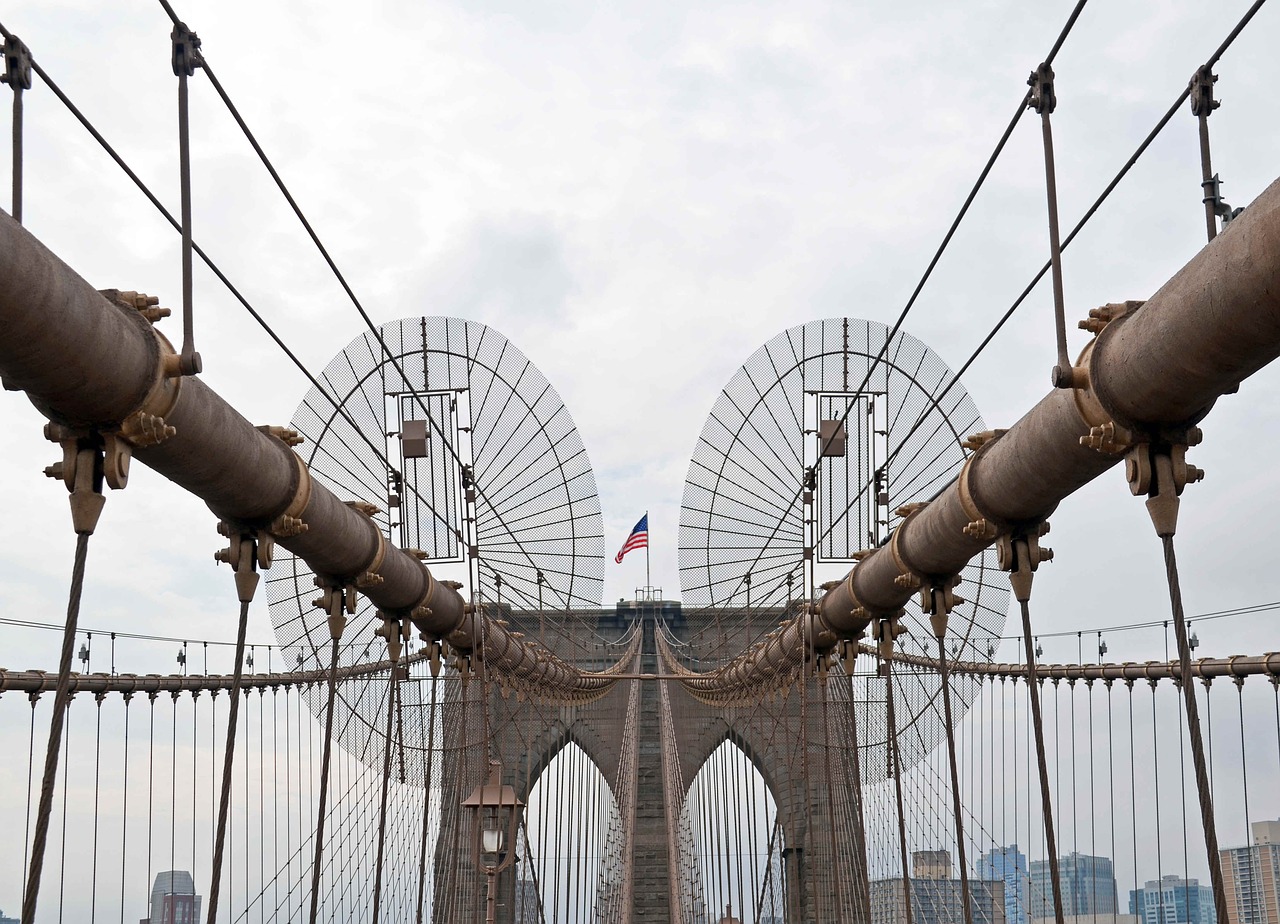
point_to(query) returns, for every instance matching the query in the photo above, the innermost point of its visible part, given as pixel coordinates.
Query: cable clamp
(1159, 469)
(1201, 84)
(17, 65)
(395, 631)
(338, 600)
(1019, 553)
(885, 629)
(248, 550)
(1042, 97)
(186, 50)
(82, 470)
(937, 600)
(1213, 194)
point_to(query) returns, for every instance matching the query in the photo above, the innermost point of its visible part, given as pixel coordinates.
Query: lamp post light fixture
(495, 818)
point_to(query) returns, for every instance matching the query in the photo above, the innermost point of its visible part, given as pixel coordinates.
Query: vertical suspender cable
(1187, 683)
(97, 788)
(429, 746)
(33, 698)
(186, 58)
(386, 784)
(66, 772)
(944, 679)
(124, 809)
(1202, 105)
(228, 762)
(895, 763)
(326, 755)
(61, 697)
(1037, 723)
(17, 74)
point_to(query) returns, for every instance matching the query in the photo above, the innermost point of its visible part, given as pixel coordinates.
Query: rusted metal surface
(87, 362)
(1164, 364)
(1156, 366)
(1234, 667)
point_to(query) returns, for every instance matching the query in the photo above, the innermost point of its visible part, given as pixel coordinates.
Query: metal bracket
(1160, 470)
(1042, 97)
(1201, 84)
(186, 50)
(17, 65)
(885, 629)
(338, 601)
(83, 471)
(1213, 194)
(248, 550)
(1020, 554)
(937, 600)
(395, 631)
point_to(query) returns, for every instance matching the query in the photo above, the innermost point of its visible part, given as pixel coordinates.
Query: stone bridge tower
(798, 742)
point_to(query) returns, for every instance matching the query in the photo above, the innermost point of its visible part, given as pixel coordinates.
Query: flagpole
(647, 581)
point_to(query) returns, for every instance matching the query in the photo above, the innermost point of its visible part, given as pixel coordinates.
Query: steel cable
(60, 701)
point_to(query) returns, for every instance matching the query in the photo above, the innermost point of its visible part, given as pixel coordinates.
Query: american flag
(639, 539)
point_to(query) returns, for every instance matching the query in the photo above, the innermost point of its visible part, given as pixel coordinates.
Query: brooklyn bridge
(401, 695)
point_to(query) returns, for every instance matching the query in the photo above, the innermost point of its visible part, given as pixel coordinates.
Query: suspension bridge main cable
(1079, 226)
(207, 260)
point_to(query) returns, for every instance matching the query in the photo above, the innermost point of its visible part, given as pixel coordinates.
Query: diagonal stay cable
(946, 240)
(1079, 226)
(1092, 210)
(208, 261)
(342, 280)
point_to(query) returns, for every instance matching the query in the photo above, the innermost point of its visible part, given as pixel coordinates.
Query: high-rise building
(935, 896)
(1088, 886)
(1008, 865)
(1173, 900)
(1252, 877)
(174, 899)
(528, 906)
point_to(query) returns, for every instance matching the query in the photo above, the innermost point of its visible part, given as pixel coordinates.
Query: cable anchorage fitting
(937, 600)
(1019, 552)
(1159, 469)
(248, 550)
(885, 630)
(395, 630)
(338, 600)
(83, 470)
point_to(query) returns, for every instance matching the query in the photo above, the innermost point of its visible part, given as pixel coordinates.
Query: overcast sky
(638, 195)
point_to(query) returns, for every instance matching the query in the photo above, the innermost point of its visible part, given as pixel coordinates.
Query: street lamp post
(495, 817)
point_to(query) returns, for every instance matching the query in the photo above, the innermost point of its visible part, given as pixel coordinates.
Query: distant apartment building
(1173, 900)
(1252, 877)
(1088, 886)
(936, 898)
(173, 899)
(1008, 865)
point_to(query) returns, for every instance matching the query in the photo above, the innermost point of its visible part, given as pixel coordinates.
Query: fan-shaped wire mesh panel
(745, 524)
(498, 493)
